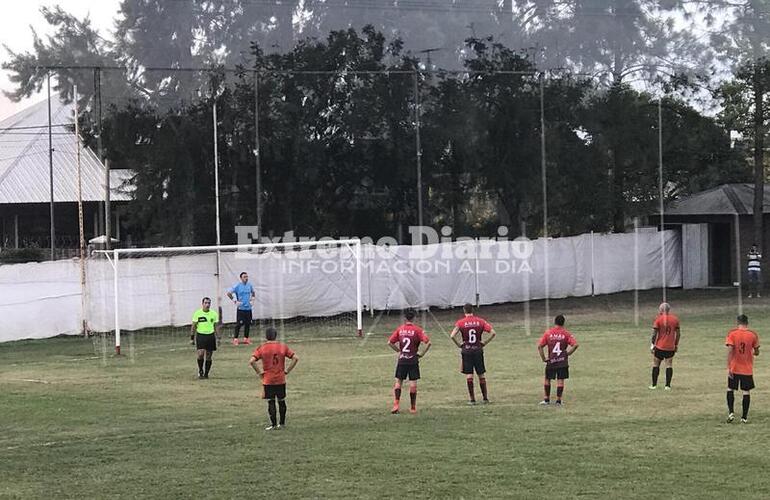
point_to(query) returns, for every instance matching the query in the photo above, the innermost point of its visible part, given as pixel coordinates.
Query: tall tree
(740, 35)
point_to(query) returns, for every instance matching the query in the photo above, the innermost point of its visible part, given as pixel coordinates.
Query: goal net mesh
(148, 296)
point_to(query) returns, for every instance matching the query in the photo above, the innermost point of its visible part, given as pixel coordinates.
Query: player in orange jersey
(742, 345)
(664, 344)
(272, 373)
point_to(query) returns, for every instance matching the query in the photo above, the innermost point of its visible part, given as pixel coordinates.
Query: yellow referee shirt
(204, 321)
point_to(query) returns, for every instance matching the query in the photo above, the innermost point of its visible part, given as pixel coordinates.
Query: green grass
(79, 425)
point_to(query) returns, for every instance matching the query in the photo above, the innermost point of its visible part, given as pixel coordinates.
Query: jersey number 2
(407, 343)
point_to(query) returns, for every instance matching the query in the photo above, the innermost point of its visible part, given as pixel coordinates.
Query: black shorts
(471, 361)
(274, 391)
(408, 371)
(206, 341)
(660, 354)
(561, 373)
(243, 317)
(742, 382)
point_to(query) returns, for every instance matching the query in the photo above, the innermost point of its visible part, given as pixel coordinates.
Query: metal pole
(418, 147)
(660, 195)
(359, 312)
(107, 211)
(216, 199)
(100, 149)
(257, 155)
(80, 215)
(50, 172)
(116, 302)
(737, 225)
(544, 179)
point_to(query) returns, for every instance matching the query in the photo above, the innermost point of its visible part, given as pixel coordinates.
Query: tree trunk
(759, 152)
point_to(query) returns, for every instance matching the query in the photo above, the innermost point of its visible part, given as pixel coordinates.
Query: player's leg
(731, 386)
(655, 368)
(747, 384)
(413, 396)
(399, 379)
(561, 377)
(246, 326)
(669, 371)
(282, 405)
(238, 321)
(471, 391)
(414, 376)
(271, 411)
(481, 372)
(207, 363)
(466, 369)
(201, 354)
(547, 387)
(745, 406)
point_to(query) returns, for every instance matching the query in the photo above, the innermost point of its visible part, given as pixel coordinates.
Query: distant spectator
(755, 271)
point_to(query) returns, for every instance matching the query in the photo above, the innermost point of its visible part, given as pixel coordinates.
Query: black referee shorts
(206, 341)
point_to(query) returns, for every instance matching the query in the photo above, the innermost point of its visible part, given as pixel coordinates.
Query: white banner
(44, 300)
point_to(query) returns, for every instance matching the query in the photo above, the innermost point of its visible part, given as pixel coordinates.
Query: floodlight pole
(50, 171)
(80, 216)
(216, 199)
(418, 147)
(257, 155)
(660, 195)
(544, 179)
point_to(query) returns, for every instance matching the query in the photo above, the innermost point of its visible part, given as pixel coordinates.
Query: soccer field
(77, 425)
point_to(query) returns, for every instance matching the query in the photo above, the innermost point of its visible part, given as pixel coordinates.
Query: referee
(205, 327)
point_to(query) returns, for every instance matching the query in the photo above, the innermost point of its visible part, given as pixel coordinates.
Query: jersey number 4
(556, 349)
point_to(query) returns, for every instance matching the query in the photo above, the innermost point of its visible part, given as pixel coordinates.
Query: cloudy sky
(15, 32)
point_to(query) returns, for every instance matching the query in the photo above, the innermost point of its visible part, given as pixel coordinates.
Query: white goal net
(144, 298)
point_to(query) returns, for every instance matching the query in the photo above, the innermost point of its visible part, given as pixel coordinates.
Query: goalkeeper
(242, 295)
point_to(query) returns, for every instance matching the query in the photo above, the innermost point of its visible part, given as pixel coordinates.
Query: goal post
(304, 285)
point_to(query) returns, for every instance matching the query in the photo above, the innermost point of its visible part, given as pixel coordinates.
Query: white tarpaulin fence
(43, 300)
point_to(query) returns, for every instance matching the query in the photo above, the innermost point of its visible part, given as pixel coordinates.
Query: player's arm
(425, 350)
(571, 348)
(653, 339)
(393, 345)
(492, 335)
(730, 349)
(541, 350)
(676, 341)
(252, 297)
(294, 361)
(453, 336)
(231, 296)
(255, 364)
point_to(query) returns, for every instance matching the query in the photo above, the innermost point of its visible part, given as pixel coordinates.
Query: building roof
(727, 199)
(24, 164)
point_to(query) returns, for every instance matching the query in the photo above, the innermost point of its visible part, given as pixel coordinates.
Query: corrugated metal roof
(24, 165)
(727, 199)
